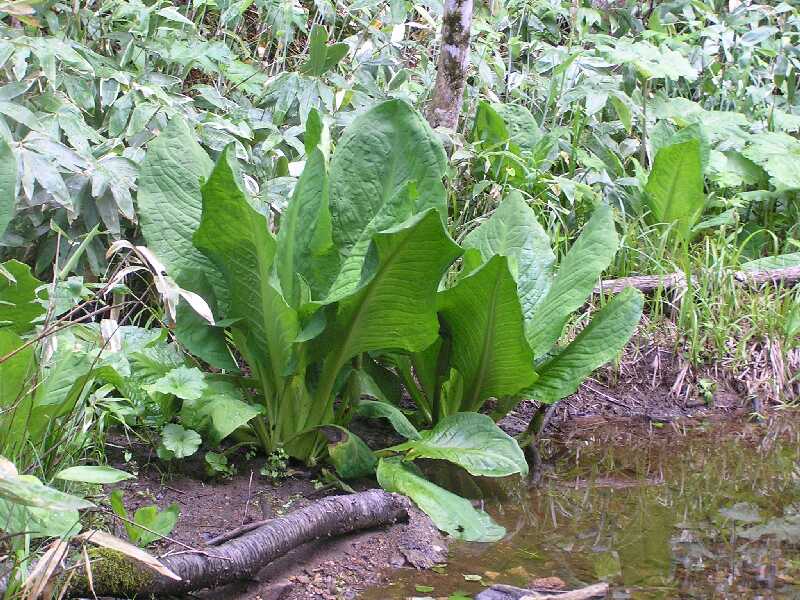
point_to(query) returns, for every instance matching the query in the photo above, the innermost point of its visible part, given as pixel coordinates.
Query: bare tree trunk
(451, 71)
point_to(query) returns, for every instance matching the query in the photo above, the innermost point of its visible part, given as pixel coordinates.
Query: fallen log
(650, 283)
(509, 592)
(117, 575)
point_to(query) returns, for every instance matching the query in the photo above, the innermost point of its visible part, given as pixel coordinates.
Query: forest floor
(652, 392)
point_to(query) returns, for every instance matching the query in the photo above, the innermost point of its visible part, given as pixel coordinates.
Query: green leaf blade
(394, 306)
(577, 274)
(472, 441)
(675, 186)
(236, 237)
(483, 317)
(599, 342)
(98, 474)
(8, 185)
(449, 512)
(388, 166)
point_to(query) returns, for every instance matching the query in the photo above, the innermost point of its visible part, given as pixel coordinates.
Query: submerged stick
(113, 574)
(509, 592)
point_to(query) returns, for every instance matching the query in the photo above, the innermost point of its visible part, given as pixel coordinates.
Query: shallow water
(713, 512)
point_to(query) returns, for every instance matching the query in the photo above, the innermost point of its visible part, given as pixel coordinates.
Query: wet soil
(649, 391)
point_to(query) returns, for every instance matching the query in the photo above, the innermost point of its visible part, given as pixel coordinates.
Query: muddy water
(713, 512)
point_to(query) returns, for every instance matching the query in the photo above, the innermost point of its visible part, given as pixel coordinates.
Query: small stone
(548, 583)
(518, 571)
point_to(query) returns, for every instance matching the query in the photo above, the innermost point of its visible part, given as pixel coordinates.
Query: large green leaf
(523, 130)
(205, 341)
(394, 307)
(350, 456)
(387, 166)
(158, 524)
(514, 232)
(28, 506)
(38, 522)
(489, 128)
(169, 199)
(449, 512)
(170, 207)
(577, 274)
(15, 373)
(675, 186)
(781, 261)
(778, 153)
(374, 409)
(29, 491)
(651, 62)
(305, 245)
(220, 411)
(18, 304)
(472, 441)
(236, 237)
(99, 474)
(8, 184)
(322, 57)
(599, 342)
(64, 379)
(483, 318)
(187, 383)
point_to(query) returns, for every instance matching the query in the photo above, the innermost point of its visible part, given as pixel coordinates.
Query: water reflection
(713, 512)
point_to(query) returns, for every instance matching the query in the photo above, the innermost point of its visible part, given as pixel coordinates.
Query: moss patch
(114, 574)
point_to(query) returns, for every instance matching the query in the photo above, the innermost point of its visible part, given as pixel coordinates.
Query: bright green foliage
(349, 455)
(388, 166)
(522, 128)
(513, 231)
(650, 62)
(170, 205)
(184, 382)
(471, 441)
(306, 255)
(169, 199)
(148, 523)
(29, 507)
(376, 304)
(179, 441)
(449, 512)
(778, 153)
(485, 337)
(577, 275)
(19, 306)
(8, 185)
(322, 58)
(372, 409)
(598, 343)
(218, 412)
(675, 186)
(98, 474)
(509, 312)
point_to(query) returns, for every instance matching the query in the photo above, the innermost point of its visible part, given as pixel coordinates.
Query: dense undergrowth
(227, 228)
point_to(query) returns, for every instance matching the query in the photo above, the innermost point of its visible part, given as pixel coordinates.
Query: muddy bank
(650, 390)
(327, 569)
